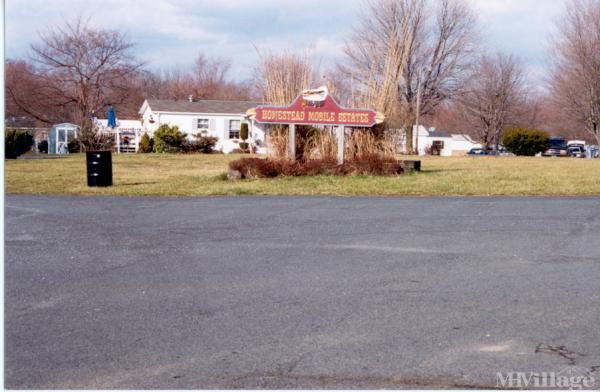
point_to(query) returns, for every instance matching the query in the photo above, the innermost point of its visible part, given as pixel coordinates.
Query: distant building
(462, 144)
(221, 119)
(431, 141)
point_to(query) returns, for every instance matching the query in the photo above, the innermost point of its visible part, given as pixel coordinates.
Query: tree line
(414, 60)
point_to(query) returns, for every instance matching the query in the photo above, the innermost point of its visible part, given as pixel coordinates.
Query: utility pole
(418, 110)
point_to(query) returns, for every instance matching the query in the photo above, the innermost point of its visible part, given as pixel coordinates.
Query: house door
(62, 141)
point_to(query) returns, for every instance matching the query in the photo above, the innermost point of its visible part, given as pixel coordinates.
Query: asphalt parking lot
(297, 292)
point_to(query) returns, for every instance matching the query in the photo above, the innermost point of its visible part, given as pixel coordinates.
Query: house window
(234, 129)
(202, 125)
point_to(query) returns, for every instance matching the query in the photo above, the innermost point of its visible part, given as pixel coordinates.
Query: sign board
(309, 111)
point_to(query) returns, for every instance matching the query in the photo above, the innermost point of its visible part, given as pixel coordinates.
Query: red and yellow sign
(327, 112)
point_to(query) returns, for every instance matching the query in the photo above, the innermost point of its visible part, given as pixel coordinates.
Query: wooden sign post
(341, 139)
(292, 142)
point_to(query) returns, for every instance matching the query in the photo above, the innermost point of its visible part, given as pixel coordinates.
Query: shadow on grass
(138, 183)
(426, 171)
(241, 191)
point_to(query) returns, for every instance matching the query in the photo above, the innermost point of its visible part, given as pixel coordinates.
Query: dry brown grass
(362, 142)
(277, 140)
(197, 175)
(322, 145)
(280, 77)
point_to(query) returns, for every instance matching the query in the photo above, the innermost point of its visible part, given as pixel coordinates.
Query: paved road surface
(298, 292)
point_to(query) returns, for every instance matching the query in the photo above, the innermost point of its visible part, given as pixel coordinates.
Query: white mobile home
(445, 144)
(221, 119)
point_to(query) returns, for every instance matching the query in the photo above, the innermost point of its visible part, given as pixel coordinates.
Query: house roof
(461, 137)
(65, 125)
(438, 134)
(205, 106)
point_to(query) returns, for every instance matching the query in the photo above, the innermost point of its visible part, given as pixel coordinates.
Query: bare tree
(210, 75)
(410, 51)
(89, 68)
(29, 95)
(76, 71)
(206, 79)
(377, 53)
(494, 97)
(575, 78)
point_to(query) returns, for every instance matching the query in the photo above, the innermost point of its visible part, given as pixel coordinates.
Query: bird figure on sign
(315, 97)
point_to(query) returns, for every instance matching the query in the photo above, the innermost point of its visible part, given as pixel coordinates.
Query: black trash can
(99, 168)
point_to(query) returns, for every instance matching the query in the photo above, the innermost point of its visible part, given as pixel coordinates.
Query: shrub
(203, 144)
(74, 146)
(365, 165)
(90, 138)
(17, 143)
(315, 143)
(525, 142)
(168, 139)
(145, 144)
(206, 144)
(244, 131)
(244, 147)
(43, 146)
(374, 164)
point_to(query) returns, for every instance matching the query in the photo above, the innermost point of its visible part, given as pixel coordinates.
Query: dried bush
(363, 142)
(318, 144)
(369, 164)
(322, 145)
(304, 135)
(278, 142)
(255, 167)
(320, 167)
(279, 77)
(374, 165)
(92, 139)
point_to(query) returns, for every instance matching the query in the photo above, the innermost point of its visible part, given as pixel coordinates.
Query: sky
(170, 33)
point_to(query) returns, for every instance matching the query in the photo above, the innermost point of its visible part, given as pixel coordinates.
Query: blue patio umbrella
(112, 118)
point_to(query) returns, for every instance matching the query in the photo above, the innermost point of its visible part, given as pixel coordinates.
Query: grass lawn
(202, 175)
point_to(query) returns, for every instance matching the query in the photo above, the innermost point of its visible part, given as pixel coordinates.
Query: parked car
(558, 148)
(477, 151)
(576, 151)
(502, 152)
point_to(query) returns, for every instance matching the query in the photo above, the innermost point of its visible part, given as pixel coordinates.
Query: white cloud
(171, 32)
